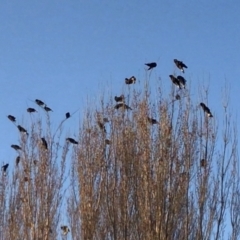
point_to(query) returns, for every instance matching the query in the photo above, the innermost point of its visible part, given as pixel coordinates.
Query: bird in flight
(182, 81)
(175, 81)
(11, 118)
(39, 102)
(119, 99)
(130, 80)
(180, 65)
(71, 140)
(122, 105)
(151, 65)
(206, 109)
(31, 110)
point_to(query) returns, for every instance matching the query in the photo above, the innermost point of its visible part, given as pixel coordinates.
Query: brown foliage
(134, 180)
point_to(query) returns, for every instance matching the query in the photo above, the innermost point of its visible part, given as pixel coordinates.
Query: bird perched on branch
(71, 140)
(119, 99)
(67, 115)
(130, 80)
(122, 105)
(175, 81)
(203, 163)
(151, 65)
(39, 102)
(180, 65)
(21, 129)
(206, 109)
(101, 126)
(17, 160)
(44, 143)
(31, 110)
(11, 118)
(65, 230)
(16, 147)
(4, 168)
(152, 121)
(47, 109)
(182, 81)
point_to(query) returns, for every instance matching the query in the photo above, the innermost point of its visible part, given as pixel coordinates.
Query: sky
(67, 53)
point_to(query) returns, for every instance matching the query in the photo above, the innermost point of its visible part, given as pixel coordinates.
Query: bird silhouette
(17, 160)
(31, 110)
(182, 81)
(175, 81)
(4, 168)
(151, 65)
(180, 65)
(107, 141)
(203, 163)
(39, 102)
(65, 230)
(47, 109)
(152, 121)
(71, 140)
(119, 99)
(177, 97)
(67, 115)
(16, 147)
(44, 143)
(122, 105)
(11, 118)
(130, 80)
(21, 129)
(101, 126)
(206, 109)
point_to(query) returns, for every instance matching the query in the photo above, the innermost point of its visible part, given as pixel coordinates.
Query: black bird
(151, 65)
(21, 129)
(130, 80)
(44, 143)
(152, 121)
(16, 147)
(119, 99)
(175, 81)
(182, 80)
(39, 102)
(47, 109)
(101, 126)
(206, 109)
(71, 140)
(17, 160)
(203, 163)
(122, 105)
(107, 142)
(177, 97)
(4, 168)
(180, 65)
(67, 115)
(11, 118)
(31, 110)
(65, 230)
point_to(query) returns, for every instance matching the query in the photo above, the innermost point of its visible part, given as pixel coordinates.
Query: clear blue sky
(64, 52)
